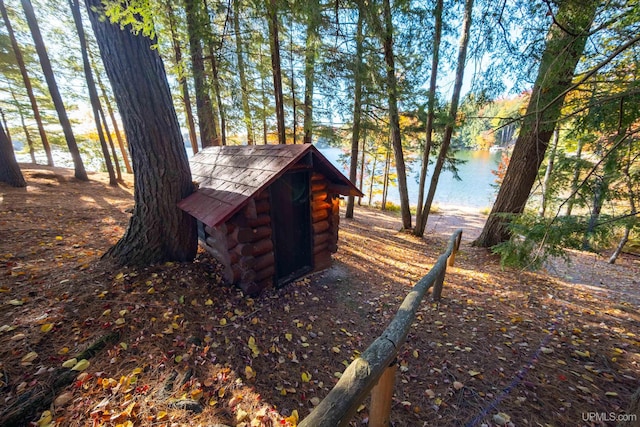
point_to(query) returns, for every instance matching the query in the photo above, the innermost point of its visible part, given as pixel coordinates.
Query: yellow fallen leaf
(306, 377)
(223, 321)
(70, 363)
(28, 358)
(611, 394)
(289, 337)
(208, 302)
(293, 419)
(161, 416)
(81, 365)
(46, 327)
(45, 419)
(249, 372)
(474, 373)
(335, 349)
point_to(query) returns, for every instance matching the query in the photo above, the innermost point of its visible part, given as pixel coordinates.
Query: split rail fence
(374, 371)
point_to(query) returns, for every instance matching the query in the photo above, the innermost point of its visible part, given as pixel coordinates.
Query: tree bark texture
(204, 109)
(357, 109)
(394, 115)
(91, 86)
(182, 80)
(219, 109)
(311, 53)
(27, 84)
(10, 172)
(564, 45)
(274, 41)
(158, 230)
(431, 104)
(246, 111)
(80, 172)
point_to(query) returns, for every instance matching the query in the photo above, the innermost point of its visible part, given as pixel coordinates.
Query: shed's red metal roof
(229, 176)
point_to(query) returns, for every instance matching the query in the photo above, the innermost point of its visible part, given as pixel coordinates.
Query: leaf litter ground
(170, 345)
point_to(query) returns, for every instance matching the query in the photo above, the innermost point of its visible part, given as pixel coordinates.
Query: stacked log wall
(250, 261)
(244, 243)
(323, 222)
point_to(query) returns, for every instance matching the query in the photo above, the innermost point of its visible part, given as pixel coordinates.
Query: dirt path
(585, 270)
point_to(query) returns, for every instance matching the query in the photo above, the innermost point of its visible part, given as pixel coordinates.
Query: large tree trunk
(10, 172)
(91, 86)
(246, 111)
(311, 52)
(564, 46)
(292, 80)
(158, 230)
(421, 223)
(27, 84)
(208, 135)
(453, 112)
(274, 41)
(394, 115)
(182, 80)
(357, 109)
(80, 172)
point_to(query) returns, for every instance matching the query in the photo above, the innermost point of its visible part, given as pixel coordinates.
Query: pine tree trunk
(218, 108)
(294, 104)
(204, 109)
(431, 104)
(575, 178)
(357, 109)
(246, 111)
(274, 41)
(564, 46)
(27, 84)
(93, 93)
(10, 172)
(80, 172)
(114, 154)
(453, 112)
(547, 173)
(182, 81)
(394, 115)
(362, 163)
(158, 231)
(25, 129)
(116, 129)
(632, 204)
(311, 52)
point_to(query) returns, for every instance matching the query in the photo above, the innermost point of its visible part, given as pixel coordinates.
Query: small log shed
(268, 213)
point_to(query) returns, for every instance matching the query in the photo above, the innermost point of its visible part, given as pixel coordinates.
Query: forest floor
(170, 345)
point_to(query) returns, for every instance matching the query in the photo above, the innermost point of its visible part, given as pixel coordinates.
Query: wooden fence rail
(374, 370)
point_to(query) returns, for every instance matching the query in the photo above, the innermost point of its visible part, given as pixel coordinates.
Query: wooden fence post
(381, 398)
(437, 285)
(454, 251)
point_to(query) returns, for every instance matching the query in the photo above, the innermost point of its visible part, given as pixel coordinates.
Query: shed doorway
(291, 221)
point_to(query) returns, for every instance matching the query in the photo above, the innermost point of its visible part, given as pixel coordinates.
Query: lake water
(474, 190)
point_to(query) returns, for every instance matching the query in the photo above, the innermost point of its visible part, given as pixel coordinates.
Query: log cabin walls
(269, 214)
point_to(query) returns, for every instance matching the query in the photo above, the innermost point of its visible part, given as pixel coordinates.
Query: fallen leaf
(81, 365)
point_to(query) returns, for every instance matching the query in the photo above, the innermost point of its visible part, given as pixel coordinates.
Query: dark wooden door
(291, 221)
